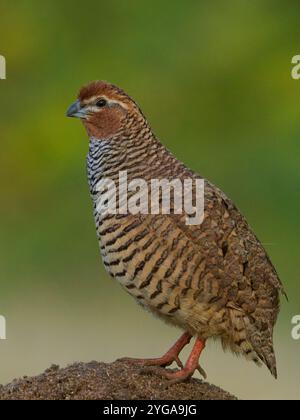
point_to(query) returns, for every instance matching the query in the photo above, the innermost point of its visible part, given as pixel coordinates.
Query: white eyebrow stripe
(111, 101)
(114, 101)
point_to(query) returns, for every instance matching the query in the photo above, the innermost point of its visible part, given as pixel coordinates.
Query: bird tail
(246, 341)
(267, 356)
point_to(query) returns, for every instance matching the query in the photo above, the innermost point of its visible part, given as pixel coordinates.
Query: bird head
(104, 109)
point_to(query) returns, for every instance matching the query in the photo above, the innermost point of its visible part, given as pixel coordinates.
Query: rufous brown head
(104, 109)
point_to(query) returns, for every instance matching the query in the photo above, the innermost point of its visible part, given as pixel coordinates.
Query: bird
(212, 280)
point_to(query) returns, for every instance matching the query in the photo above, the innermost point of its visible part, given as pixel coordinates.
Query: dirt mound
(113, 381)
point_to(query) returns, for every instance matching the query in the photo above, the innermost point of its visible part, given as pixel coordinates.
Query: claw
(178, 361)
(202, 372)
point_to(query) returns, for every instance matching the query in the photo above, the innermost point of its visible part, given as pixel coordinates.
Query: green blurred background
(214, 79)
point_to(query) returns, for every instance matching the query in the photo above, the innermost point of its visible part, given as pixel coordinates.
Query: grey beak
(75, 110)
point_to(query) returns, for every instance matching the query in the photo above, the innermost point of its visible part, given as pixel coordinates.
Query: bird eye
(101, 103)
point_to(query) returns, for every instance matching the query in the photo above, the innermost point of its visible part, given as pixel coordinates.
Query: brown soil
(102, 381)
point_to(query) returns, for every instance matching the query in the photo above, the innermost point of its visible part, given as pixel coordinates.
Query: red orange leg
(191, 365)
(172, 355)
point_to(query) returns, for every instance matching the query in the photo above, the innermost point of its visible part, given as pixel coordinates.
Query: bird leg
(172, 355)
(189, 368)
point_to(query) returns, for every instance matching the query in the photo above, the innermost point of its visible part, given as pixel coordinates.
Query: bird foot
(168, 358)
(183, 374)
(174, 376)
(189, 368)
(156, 365)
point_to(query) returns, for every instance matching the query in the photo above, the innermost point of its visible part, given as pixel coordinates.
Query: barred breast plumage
(213, 279)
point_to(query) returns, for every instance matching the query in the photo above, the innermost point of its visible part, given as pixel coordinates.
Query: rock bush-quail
(212, 279)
